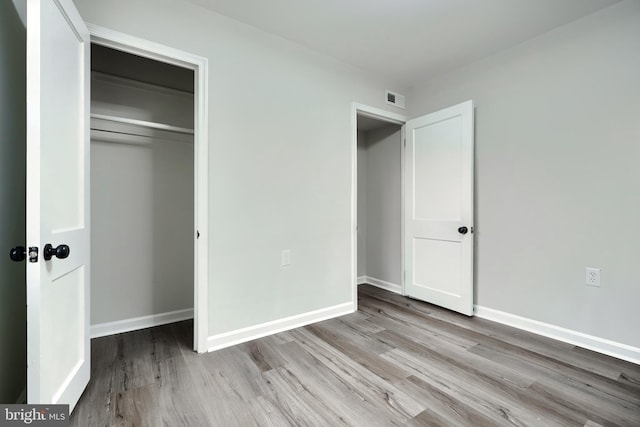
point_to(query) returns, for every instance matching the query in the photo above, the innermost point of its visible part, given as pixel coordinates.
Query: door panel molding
(57, 175)
(438, 251)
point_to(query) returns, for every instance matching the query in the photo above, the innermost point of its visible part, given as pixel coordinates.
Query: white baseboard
(388, 286)
(22, 399)
(227, 339)
(127, 325)
(601, 345)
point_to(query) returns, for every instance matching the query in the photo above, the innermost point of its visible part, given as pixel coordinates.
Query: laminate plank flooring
(395, 362)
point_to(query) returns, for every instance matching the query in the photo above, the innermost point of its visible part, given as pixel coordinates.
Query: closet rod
(152, 125)
(119, 137)
(125, 138)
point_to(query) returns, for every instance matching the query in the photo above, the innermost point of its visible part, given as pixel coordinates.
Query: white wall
(557, 176)
(380, 244)
(141, 207)
(280, 159)
(13, 313)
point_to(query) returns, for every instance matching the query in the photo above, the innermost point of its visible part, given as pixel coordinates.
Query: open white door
(439, 208)
(58, 348)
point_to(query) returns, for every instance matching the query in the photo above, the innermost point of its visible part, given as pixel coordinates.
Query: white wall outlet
(286, 257)
(593, 277)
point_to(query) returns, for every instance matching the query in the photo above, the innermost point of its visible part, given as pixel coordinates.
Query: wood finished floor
(396, 361)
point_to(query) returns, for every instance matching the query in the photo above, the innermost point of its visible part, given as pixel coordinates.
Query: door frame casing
(390, 117)
(199, 65)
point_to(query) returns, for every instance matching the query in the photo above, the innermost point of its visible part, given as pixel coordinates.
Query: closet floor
(396, 361)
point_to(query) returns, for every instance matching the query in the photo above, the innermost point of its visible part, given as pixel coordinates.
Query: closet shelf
(147, 124)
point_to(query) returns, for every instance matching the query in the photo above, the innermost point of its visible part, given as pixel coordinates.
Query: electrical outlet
(286, 257)
(593, 277)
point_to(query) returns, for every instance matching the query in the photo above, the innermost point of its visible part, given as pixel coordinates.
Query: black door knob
(463, 230)
(60, 252)
(17, 254)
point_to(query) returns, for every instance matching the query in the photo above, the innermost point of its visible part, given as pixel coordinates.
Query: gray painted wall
(13, 311)
(379, 209)
(273, 183)
(362, 204)
(557, 176)
(116, 96)
(141, 210)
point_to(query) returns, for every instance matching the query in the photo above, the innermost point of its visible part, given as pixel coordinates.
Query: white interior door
(439, 208)
(58, 351)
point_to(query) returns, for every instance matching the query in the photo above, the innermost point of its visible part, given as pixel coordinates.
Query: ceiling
(406, 40)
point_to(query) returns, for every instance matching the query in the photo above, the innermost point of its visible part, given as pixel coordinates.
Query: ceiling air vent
(395, 99)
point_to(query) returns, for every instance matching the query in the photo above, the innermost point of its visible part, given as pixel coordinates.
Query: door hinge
(197, 234)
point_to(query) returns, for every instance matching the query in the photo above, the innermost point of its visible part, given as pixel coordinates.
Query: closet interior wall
(142, 197)
(379, 206)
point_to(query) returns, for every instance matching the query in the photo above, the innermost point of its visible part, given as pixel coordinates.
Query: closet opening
(143, 198)
(378, 182)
